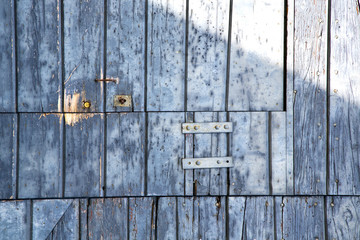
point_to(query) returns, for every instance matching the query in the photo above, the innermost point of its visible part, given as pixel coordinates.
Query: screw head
(226, 126)
(198, 162)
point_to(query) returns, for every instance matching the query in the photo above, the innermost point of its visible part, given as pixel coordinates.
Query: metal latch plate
(207, 127)
(211, 162)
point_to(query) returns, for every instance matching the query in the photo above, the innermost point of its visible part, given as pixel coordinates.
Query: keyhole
(122, 100)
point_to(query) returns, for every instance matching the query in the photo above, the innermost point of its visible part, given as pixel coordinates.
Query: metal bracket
(207, 127)
(211, 162)
(122, 101)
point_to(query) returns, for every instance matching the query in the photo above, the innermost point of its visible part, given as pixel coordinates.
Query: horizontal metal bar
(207, 127)
(106, 80)
(211, 162)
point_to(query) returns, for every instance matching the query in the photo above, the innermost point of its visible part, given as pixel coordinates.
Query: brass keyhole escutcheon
(122, 100)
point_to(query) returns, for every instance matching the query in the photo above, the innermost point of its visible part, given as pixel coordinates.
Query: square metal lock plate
(122, 101)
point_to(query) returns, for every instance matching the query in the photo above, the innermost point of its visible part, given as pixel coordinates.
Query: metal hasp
(122, 101)
(212, 162)
(207, 127)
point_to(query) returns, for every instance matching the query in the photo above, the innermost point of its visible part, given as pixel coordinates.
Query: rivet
(320, 20)
(332, 204)
(187, 127)
(295, 91)
(198, 162)
(336, 180)
(189, 163)
(233, 184)
(337, 20)
(319, 124)
(226, 126)
(217, 127)
(316, 238)
(337, 139)
(266, 203)
(282, 205)
(217, 204)
(336, 72)
(196, 127)
(336, 37)
(335, 90)
(318, 180)
(315, 204)
(319, 137)
(334, 124)
(218, 161)
(184, 204)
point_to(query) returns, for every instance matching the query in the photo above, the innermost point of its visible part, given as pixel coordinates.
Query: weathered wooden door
(104, 104)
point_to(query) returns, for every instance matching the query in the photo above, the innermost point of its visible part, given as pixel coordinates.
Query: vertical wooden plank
(125, 161)
(249, 148)
(344, 98)
(210, 181)
(303, 218)
(108, 218)
(46, 214)
(256, 65)
(7, 56)
(207, 44)
(188, 219)
(8, 136)
(343, 217)
(310, 101)
(40, 155)
(290, 14)
(39, 56)
(189, 153)
(166, 218)
(83, 218)
(68, 227)
(84, 155)
(259, 211)
(212, 219)
(278, 212)
(83, 53)
(166, 55)
(14, 219)
(165, 150)
(125, 54)
(142, 213)
(279, 174)
(236, 217)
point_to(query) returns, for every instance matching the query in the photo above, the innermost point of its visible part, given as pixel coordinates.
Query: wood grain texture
(108, 218)
(188, 217)
(125, 154)
(310, 101)
(84, 155)
(125, 54)
(250, 151)
(290, 29)
(142, 214)
(343, 217)
(303, 218)
(256, 60)
(210, 181)
(7, 56)
(344, 99)
(236, 217)
(189, 153)
(165, 175)
(15, 219)
(279, 174)
(212, 217)
(166, 55)
(40, 155)
(166, 222)
(46, 214)
(68, 226)
(259, 211)
(207, 55)
(39, 56)
(83, 53)
(8, 136)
